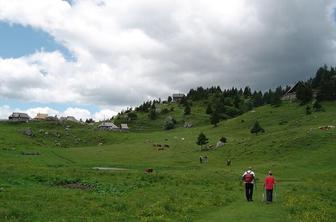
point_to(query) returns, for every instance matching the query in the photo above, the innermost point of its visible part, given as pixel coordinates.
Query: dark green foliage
(165, 111)
(308, 110)
(89, 120)
(208, 109)
(132, 116)
(214, 119)
(169, 123)
(304, 93)
(247, 92)
(317, 106)
(144, 107)
(257, 99)
(257, 128)
(152, 114)
(325, 83)
(202, 139)
(187, 110)
(169, 99)
(223, 139)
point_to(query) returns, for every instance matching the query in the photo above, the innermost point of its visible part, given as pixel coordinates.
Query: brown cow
(149, 170)
(166, 145)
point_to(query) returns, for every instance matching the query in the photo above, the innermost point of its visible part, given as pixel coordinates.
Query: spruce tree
(187, 109)
(202, 139)
(214, 119)
(208, 109)
(257, 128)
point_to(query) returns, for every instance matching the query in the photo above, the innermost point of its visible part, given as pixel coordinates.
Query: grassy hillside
(60, 184)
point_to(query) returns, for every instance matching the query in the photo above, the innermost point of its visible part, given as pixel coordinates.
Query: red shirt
(269, 182)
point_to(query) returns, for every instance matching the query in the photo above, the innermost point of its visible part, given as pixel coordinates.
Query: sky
(93, 58)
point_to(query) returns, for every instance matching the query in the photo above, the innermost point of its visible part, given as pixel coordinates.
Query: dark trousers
(269, 195)
(249, 191)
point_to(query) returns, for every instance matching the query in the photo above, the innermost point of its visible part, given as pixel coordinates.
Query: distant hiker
(201, 159)
(228, 162)
(269, 186)
(249, 178)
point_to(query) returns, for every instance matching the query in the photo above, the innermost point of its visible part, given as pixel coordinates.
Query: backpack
(248, 178)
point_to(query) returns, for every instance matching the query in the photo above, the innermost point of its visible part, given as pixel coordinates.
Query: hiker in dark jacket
(269, 186)
(249, 179)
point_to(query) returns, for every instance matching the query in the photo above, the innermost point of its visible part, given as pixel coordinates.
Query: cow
(160, 148)
(149, 170)
(166, 145)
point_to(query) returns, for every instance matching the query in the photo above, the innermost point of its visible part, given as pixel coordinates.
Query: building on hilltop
(291, 93)
(19, 117)
(41, 116)
(124, 127)
(108, 126)
(177, 97)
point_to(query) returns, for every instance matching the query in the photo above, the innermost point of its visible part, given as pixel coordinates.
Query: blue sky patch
(17, 40)
(18, 104)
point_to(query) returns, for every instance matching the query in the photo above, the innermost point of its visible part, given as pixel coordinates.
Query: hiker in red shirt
(269, 186)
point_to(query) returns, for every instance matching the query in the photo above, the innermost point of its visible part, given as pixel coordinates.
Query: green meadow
(52, 175)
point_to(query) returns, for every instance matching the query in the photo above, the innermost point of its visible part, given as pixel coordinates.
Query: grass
(301, 156)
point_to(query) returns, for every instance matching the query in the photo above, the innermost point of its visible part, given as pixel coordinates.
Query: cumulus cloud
(128, 51)
(78, 113)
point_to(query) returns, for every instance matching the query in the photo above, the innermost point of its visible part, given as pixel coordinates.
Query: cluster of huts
(24, 117)
(112, 127)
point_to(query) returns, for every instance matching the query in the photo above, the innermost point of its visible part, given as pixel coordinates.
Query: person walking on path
(269, 185)
(249, 179)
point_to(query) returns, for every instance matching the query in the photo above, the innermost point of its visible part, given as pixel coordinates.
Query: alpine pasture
(55, 176)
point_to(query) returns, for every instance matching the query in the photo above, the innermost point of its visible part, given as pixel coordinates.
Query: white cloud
(128, 51)
(78, 113)
(5, 111)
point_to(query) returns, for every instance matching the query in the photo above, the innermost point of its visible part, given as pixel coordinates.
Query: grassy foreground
(60, 183)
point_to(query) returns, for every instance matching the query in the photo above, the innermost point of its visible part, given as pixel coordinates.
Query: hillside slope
(60, 184)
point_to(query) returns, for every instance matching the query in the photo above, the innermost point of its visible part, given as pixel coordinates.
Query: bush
(317, 106)
(202, 139)
(308, 110)
(169, 123)
(223, 139)
(257, 128)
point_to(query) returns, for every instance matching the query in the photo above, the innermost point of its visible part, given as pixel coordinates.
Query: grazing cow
(228, 162)
(166, 145)
(158, 145)
(160, 148)
(149, 170)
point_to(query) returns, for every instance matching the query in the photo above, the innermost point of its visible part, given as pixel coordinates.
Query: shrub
(202, 139)
(308, 110)
(169, 123)
(223, 139)
(257, 128)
